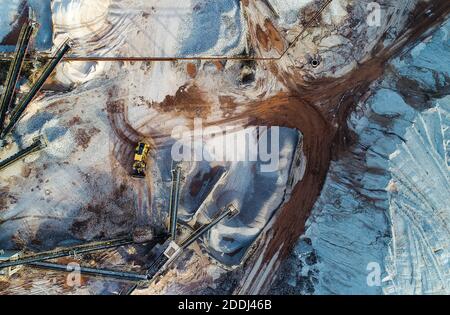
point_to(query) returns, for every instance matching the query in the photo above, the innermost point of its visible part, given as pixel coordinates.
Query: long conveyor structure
(15, 69)
(230, 212)
(39, 260)
(65, 252)
(174, 200)
(18, 111)
(174, 250)
(107, 273)
(37, 145)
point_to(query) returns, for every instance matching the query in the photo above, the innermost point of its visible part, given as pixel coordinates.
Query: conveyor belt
(156, 266)
(37, 145)
(14, 70)
(173, 202)
(115, 274)
(230, 212)
(18, 111)
(65, 252)
(271, 8)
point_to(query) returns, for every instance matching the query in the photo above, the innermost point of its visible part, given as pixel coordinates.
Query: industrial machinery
(7, 272)
(17, 112)
(14, 71)
(107, 273)
(10, 263)
(174, 250)
(174, 200)
(39, 143)
(64, 252)
(140, 160)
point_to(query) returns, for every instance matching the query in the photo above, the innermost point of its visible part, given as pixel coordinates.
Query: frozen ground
(386, 202)
(164, 28)
(146, 29)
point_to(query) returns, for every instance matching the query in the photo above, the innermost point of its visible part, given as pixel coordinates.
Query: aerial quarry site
(224, 147)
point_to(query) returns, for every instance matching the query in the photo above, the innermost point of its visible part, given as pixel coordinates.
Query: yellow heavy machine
(140, 159)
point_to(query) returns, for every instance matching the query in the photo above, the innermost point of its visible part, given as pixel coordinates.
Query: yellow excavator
(140, 159)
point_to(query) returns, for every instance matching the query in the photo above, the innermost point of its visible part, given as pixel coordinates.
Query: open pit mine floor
(100, 100)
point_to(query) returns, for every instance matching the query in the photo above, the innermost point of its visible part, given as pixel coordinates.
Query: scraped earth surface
(356, 133)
